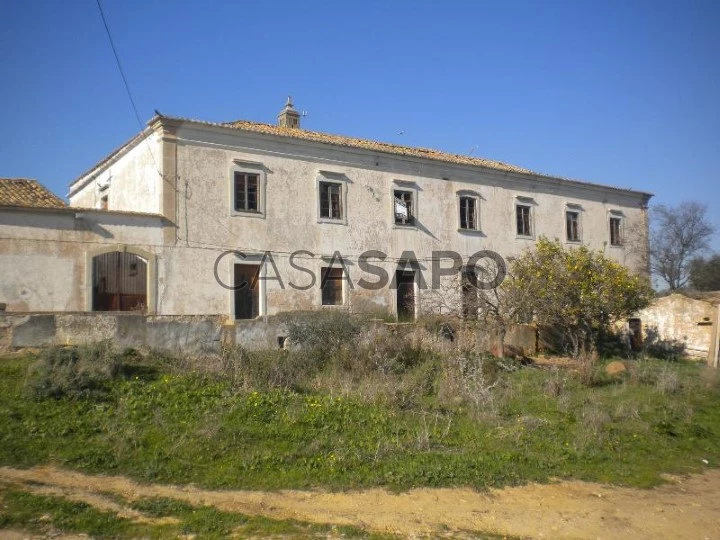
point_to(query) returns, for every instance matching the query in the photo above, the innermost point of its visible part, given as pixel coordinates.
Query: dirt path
(687, 507)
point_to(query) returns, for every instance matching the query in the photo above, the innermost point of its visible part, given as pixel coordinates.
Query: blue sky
(622, 93)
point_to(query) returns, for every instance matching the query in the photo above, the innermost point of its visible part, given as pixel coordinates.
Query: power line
(124, 78)
(209, 213)
(119, 65)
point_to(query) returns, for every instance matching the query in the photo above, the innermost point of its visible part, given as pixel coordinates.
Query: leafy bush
(75, 371)
(576, 292)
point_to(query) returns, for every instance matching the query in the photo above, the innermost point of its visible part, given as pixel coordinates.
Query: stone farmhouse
(173, 221)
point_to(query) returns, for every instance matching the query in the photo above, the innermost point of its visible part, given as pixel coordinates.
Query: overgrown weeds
(375, 412)
(74, 371)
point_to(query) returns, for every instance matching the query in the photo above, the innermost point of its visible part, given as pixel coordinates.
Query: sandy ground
(685, 507)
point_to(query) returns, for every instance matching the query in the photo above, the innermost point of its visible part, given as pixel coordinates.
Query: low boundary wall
(200, 333)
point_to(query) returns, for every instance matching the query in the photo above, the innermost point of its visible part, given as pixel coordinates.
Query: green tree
(705, 273)
(577, 292)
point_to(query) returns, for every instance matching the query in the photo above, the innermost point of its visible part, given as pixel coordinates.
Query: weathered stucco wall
(289, 220)
(175, 334)
(131, 180)
(44, 255)
(679, 318)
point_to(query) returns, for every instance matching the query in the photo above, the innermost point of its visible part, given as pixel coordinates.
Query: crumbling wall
(680, 319)
(169, 333)
(200, 333)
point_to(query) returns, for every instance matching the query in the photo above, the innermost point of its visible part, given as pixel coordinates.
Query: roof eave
(83, 179)
(646, 196)
(81, 210)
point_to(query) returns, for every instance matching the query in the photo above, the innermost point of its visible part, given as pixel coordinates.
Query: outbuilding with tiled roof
(27, 193)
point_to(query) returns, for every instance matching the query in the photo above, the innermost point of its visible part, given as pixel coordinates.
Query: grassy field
(429, 421)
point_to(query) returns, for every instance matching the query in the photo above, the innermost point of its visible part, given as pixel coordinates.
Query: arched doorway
(119, 282)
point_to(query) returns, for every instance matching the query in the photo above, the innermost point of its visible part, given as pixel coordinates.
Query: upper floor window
(468, 213)
(572, 225)
(404, 207)
(523, 219)
(247, 188)
(332, 197)
(246, 191)
(331, 200)
(616, 231)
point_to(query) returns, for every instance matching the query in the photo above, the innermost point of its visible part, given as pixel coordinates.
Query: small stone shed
(690, 318)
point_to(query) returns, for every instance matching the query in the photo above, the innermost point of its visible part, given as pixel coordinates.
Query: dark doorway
(119, 282)
(470, 304)
(405, 280)
(247, 295)
(636, 340)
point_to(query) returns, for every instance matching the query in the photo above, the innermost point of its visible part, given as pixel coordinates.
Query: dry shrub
(323, 330)
(587, 367)
(395, 355)
(667, 381)
(592, 422)
(628, 410)
(468, 379)
(642, 373)
(75, 371)
(710, 377)
(269, 369)
(556, 383)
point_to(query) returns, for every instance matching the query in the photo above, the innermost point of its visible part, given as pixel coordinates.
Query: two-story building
(176, 219)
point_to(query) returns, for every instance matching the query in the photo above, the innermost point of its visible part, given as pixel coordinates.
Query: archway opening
(119, 282)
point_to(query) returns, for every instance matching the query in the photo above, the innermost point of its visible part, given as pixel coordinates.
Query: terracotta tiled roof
(27, 193)
(352, 142)
(366, 144)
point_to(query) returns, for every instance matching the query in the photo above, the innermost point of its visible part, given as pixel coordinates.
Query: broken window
(523, 219)
(468, 213)
(332, 286)
(404, 207)
(247, 291)
(572, 225)
(246, 192)
(615, 231)
(330, 200)
(119, 282)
